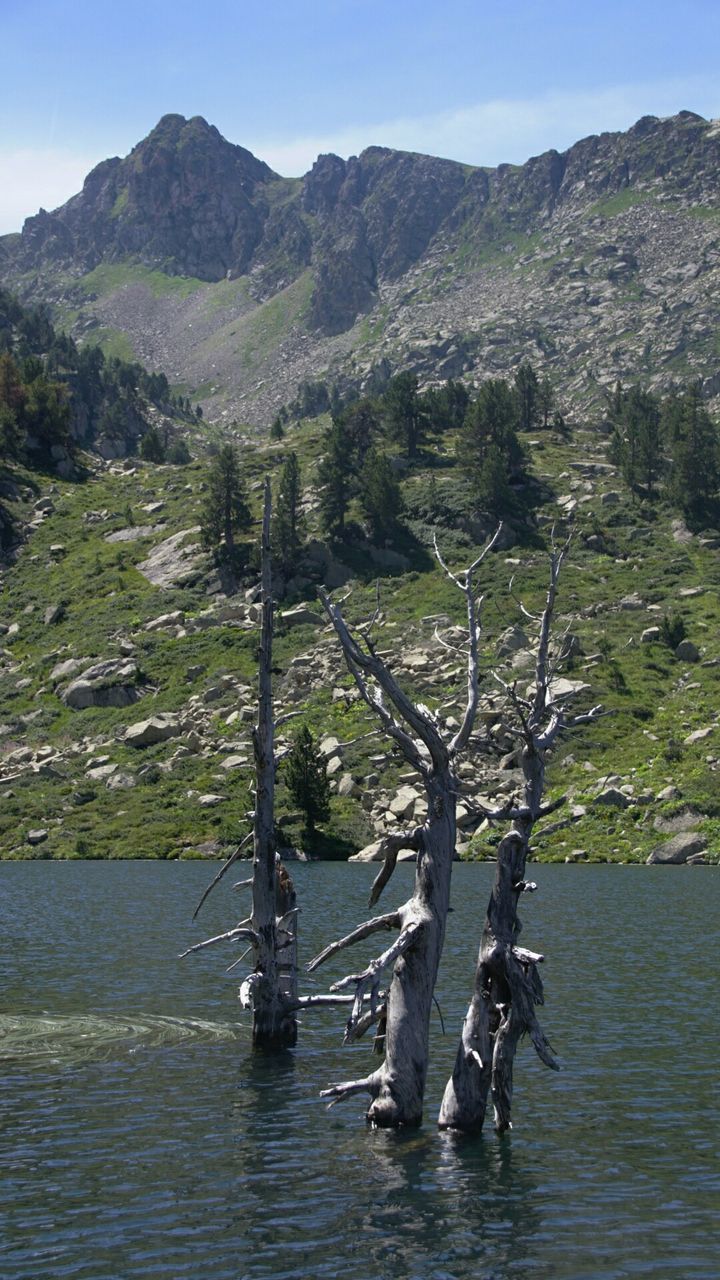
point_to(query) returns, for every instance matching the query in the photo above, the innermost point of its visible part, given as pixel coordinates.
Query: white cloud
(34, 178)
(504, 129)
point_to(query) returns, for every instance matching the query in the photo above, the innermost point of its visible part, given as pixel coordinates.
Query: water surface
(141, 1137)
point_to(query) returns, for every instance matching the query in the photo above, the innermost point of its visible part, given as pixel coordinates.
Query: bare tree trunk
(273, 898)
(397, 1087)
(508, 986)
(270, 990)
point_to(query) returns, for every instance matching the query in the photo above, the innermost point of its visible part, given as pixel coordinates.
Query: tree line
(668, 442)
(48, 384)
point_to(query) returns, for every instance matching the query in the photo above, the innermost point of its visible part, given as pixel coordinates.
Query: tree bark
(270, 990)
(397, 1087)
(508, 986)
(274, 989)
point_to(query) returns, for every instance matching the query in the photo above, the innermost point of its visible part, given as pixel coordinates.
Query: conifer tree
(380, 495)
(334, 479)
(288, 523)
(527, 387)
(151, 446)
(226, 511)
(404, 414)
(307, 780)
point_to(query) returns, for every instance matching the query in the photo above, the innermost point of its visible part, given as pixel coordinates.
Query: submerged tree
(507, 981)
(270, 990)
(397, 1087)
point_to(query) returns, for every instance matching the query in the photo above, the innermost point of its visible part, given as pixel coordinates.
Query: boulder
(403, 804)
(698, 735)
(651, 635)
(676, 851)
(301, 616)
(613, 797)
(146, 733)
(63, 670)
(112, 683)
(511, 641)
(170, 562)
(120, 781)
(371, 853)
(38, 836)
(687, 651)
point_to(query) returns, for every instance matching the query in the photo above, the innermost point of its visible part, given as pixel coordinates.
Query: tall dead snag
(412, 958)
(270, 990)
(508, 986)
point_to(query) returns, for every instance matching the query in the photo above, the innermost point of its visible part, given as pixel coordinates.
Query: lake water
(141, 1137)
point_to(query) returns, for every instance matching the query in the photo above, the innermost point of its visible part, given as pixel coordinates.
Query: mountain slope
(598, 263)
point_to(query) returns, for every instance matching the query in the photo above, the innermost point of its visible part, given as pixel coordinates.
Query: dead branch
(224, 868)
(389, 921)
(391, 845)
(232, 935)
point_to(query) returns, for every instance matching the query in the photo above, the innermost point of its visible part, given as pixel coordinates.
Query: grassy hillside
(70, 774)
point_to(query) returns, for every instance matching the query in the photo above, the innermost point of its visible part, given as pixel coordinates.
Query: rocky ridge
(598, 263)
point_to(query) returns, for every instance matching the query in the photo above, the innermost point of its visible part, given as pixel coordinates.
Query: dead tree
(508, 986)
(411, 960)
(270, 990)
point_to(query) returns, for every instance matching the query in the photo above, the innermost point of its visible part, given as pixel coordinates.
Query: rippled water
(141, 1137)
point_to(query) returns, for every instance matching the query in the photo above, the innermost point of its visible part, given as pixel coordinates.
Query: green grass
(114, 342)
(109, 277)
(654, 700)
(611, 206)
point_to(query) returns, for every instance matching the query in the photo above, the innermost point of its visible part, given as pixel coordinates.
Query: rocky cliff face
(184, 200)
(433, 251)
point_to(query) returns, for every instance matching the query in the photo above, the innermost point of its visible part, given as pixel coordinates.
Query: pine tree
(226, 511)
(380, 496)
(491, 422)
(695, 453)
(334, 480)
(307, 780)
(527, 387)
(288, 523)
(545, 400)
(151, 446)
(404, 414)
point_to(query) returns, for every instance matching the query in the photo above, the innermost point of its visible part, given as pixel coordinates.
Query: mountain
(596, 264)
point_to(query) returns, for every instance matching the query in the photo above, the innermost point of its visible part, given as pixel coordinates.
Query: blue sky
(477, 81)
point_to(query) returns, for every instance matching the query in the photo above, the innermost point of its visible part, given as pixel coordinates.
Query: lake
(141, 1137)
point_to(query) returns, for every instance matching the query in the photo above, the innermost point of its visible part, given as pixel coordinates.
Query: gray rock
(134, 533)
(698, 735)
(687, 651)
(146, 733)
(613, 797)
(371, 853)
(301, 616)
(106, 684)
(54, 613)
(65, 669)
(120, 781)
(403, 804)
(677, 850)
(233, 762)
(651, 635)
(347, 785)
(170, 562)
(38, 836)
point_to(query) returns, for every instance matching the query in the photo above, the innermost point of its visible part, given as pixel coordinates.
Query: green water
(141, 1137)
